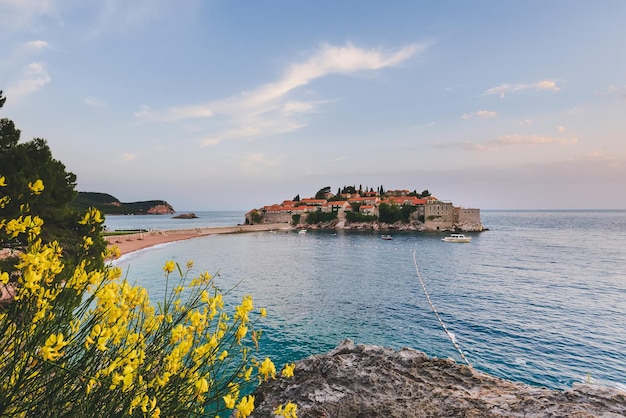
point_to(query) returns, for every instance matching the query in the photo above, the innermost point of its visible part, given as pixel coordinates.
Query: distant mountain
(110, 205)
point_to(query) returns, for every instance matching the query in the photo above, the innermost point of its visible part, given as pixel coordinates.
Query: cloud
(329, 60)
(128, 157)
(34, 77)
(561, 129)
(121, 16)
(94, 102)
(22, 13)
(145, 113)
(509, 141)
(504, 89)
(612, 89)
(482, 114)
(188, 112)
(425, 125)
(253, 161)
(38, 44)
(271, 109)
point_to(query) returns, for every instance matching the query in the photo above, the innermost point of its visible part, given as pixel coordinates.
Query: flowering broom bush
(89, 343)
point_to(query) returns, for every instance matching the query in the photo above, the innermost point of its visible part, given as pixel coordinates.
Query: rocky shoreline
(398, 226)
(373, 381)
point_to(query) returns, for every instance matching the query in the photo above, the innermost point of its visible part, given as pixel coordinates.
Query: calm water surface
(539, 298)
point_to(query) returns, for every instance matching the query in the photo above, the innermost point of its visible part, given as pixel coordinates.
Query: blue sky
(223, 105)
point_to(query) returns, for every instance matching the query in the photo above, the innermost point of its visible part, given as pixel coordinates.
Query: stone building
(439, 215)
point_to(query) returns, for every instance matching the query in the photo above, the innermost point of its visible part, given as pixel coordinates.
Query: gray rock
(373, 381)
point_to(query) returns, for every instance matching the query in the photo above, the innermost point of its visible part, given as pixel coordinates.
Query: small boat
(457, 238)
(386, 237)
(302, 231)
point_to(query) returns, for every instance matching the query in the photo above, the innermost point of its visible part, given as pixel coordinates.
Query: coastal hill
(110, 205)
(352, 208)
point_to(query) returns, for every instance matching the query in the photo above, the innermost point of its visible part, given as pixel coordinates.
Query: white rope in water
(448, 333)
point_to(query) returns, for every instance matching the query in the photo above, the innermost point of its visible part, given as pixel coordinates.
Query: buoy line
(448, 333)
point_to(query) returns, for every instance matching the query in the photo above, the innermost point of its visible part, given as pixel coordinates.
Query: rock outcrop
(161, 209)
(398, 226)
(373, 381)
(185, 216)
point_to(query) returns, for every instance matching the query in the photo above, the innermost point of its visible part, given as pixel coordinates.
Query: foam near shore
(129, 243)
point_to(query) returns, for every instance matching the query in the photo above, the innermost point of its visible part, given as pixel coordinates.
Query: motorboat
(457, 238)
(386, 237)
(302, 231)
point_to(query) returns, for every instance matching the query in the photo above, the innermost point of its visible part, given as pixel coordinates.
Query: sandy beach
(134, 242)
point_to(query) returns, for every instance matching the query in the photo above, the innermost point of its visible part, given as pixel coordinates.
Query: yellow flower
(288, 370)
(263, 312)
(223, 355)
(36, 187)
(3, 181)
(241, 311)
(287, 411)
(267, 369)
(169, 266)
(241, 332)
(229, 401)
(202, 386)
(92, 215)
(87, 242)
(245, 406)
(54, 343)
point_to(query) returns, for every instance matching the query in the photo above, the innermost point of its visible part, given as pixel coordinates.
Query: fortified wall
(466, 215)
(439, 215)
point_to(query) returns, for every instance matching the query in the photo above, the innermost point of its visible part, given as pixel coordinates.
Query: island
(352, 208)
(190, 215)
(110, 205)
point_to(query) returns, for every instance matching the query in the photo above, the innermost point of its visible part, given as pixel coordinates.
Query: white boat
(302, 231)
(457, 238)
(386, 237)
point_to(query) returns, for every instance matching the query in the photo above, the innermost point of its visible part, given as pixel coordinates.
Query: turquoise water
(540, 298)
(161, 222)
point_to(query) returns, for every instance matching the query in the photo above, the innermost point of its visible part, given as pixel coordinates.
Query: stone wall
(438, 215)
(466, 215)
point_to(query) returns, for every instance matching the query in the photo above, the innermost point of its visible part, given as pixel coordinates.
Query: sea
(538, 298)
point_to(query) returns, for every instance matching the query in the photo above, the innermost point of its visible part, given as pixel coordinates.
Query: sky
(233, 105)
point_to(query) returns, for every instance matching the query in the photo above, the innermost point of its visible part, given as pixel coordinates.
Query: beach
(137, 241)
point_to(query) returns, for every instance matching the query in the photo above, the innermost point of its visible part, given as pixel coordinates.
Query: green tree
(406, 211)
(319, 216)
(321, 194)
(297, 198)
(256, 217)
(360, 217)
(425, 193)
(349, 190)
(22, 165)
(389, 213)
